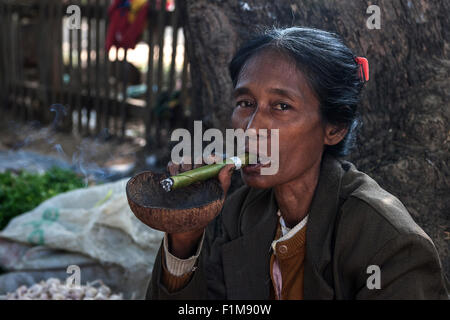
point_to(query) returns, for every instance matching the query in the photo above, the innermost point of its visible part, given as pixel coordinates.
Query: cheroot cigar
(202, 173)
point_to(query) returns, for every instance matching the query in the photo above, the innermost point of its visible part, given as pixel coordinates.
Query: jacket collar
(318, 282)
(246, 259)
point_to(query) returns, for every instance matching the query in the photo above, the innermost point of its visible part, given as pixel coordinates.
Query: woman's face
(271, 93)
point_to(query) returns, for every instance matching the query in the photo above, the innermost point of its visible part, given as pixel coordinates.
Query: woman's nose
(257, 129)
(257, 119)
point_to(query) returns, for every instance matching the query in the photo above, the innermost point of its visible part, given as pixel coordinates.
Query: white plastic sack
(29, 264)
(96, 222)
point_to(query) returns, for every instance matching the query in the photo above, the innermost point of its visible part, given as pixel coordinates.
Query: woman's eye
(244, 104)
(282, 106)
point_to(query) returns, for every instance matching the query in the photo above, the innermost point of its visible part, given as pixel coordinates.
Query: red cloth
(121, 33)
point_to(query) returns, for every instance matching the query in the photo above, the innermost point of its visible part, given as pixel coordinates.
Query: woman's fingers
(213, 158)
(198, 165)
(186, 167)
(173, 168)
(186, 164)
(225, 177)
(199, 162)
(176, 168)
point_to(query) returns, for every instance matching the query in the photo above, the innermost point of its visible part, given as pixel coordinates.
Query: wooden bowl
(179, 210)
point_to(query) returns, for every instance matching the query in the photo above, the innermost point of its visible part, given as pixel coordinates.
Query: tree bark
(405, 137)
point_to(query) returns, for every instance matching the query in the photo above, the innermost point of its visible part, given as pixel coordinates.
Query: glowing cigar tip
(167, 184)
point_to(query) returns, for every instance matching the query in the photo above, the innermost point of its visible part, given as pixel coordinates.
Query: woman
(318, 228)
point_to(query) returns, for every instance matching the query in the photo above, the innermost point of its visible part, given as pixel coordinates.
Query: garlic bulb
(100, 296)
(35, 290)
(91, 292)
(58, 296)
(104, 290)
(54, 289)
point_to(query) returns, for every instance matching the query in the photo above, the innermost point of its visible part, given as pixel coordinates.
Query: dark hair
(329, 66)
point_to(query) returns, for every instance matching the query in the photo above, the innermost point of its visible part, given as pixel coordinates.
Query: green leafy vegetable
(24, 191)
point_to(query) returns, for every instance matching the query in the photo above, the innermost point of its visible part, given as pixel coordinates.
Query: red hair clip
(363, 68)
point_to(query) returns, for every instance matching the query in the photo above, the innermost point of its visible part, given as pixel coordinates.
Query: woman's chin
(257, 181)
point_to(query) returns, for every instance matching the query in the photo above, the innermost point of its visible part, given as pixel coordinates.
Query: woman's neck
(294, 197)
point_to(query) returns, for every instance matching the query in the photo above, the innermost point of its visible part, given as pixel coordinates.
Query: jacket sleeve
(195, 288)
(409, 268)
(209, 270)
(171, 281)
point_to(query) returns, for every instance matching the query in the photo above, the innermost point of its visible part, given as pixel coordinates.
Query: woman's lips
(256, 168)
(252, 168)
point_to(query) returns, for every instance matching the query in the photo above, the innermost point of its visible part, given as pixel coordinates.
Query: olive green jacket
(353, 224)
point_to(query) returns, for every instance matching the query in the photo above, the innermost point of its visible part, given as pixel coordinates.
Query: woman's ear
(334, 134)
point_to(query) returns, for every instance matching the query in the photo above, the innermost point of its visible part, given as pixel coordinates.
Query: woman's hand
(186, 165)
(183, 245)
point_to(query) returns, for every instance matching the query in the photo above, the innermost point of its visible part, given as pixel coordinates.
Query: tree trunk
(404, 141)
